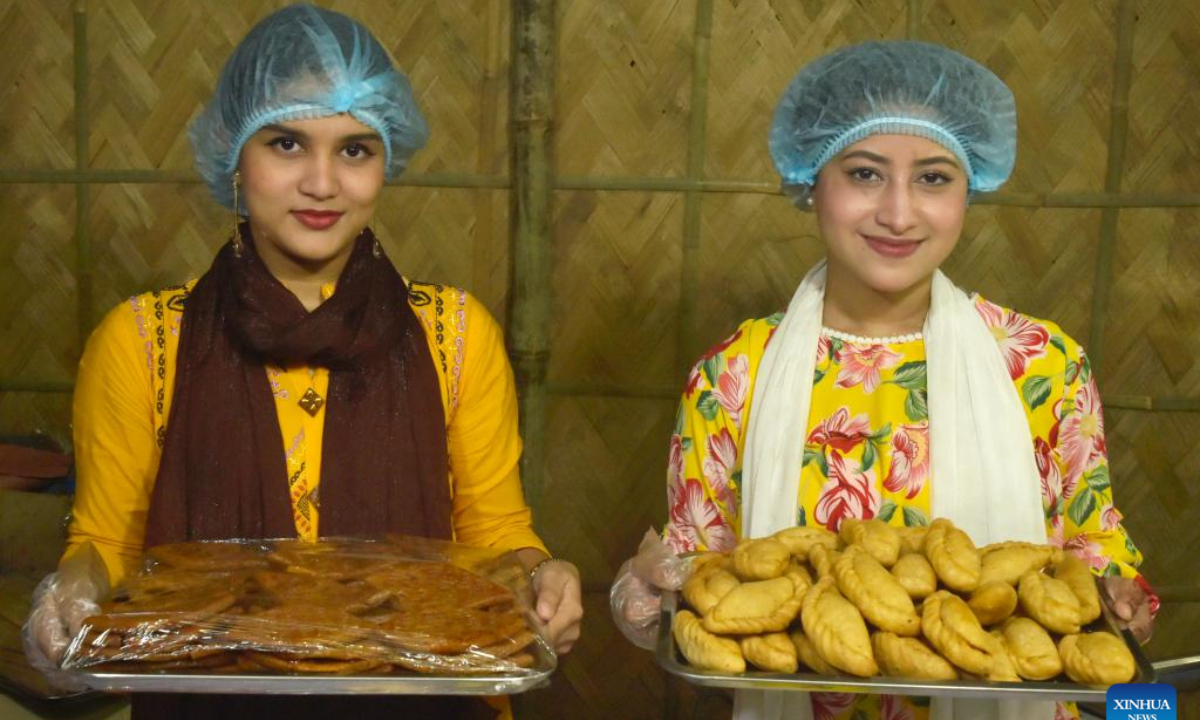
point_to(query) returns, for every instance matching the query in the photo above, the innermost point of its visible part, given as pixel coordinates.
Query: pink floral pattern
(1084, 548)
(732, 387)
(1110, 518)
(861, 364)
(697, 521)
(840, 432)
(827, 706)
(910, 460)
(892, 707)
(850, 492)
(1081, 436)
(719, 464)
(1021, 340)
(1048, 470)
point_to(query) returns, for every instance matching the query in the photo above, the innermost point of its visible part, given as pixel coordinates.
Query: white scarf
(983, 473)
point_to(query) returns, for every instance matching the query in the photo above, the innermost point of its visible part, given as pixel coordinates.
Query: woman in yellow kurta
(301, 386)
(884, 391)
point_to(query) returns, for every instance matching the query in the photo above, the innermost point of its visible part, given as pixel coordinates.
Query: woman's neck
(852, 307)
(304, 280)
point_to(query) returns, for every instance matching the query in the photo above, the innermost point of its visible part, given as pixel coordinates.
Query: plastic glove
(61, 602)
(636, 595)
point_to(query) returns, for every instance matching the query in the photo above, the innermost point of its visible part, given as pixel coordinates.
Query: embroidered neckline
(860, 340)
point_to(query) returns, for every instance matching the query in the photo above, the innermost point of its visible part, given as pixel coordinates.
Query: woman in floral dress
(844, 391)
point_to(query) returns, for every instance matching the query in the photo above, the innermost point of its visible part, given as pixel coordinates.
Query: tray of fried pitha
(394, 615)
(880, 609)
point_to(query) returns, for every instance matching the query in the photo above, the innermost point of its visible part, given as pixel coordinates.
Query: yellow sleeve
(1085, 513)
(704, 471)
(484, 445)
(115, 451)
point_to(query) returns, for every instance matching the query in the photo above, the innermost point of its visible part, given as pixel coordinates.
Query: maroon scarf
(223, 474)
(385, 465)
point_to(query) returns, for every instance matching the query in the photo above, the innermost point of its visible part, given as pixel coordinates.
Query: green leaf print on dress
(1036, 391)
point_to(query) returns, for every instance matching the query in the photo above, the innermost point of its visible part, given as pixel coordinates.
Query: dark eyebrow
(873, 157)
(357, 137)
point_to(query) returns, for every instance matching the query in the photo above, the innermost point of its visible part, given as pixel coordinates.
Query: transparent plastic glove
(636, 595)
(61, 602)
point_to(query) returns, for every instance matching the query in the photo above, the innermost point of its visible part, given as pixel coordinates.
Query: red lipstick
(317, 219)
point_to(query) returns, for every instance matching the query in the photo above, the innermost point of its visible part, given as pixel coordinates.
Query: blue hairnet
(298, 63)
(896, 87)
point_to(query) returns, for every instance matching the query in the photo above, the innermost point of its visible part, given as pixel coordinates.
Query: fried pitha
(915, 575)
(1050, 602)
(808, 655)
(761, 559)
(993, 602)
(705, 589)
(756, 607)
(1033, 651)
(909, 658)
(1075, 573)
(799, 540)
(955, 632)
(773, 652)
(912, 539)
(953, 556)
(837, 630)
(878, 595)
(1003, 667)
(875, 536)
(1098, 658)
(1008, 561)
(705, 650)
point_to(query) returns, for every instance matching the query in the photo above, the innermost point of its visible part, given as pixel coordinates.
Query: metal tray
(672, 661)
(407, 684)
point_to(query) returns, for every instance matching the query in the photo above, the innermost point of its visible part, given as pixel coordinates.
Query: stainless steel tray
(671, 661)
(407, 684)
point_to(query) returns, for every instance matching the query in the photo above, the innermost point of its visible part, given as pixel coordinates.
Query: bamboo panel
(622, 94)
(757, 46)
(1176, 634)
(1152, 336)
(148, 237)
(1057, 58)
(606, 463)
(155, 63)
(1036, 261)
(37, 282)
(604, 678)
(754, 250)
(1155, 460)
(429, 234)
(37, 95)
(36, 413)
(615, 287)
(1164, 99)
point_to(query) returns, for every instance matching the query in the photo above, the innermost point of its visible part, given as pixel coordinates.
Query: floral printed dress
(866, 454)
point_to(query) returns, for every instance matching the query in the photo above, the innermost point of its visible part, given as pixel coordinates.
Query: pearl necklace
(860, 340)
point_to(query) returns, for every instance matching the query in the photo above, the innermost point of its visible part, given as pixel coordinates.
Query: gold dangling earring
(236, 238)
(376, 248)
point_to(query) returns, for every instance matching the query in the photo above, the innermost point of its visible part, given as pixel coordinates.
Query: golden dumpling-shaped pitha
(705, 650)
(799, 540)
(912, 539)
(808, 655)
(993, 602)
(705, 589)
(948, 623)
(1032, 649)
(953, 556)
(1098, 658)
(799, 575)
(756, 607)
(909, 658)
(878, 595)
(822, 558)
(1008, 561)
(773, 652)
(875, 536)
(915, 575)
(1050, 602)
(837, 630)
(1003, 668)
(1075, 573)
(761, 559)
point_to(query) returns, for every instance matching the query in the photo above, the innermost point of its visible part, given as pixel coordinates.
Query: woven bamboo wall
(665, 230)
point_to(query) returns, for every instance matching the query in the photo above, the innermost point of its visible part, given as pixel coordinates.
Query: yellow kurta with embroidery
(123, 400)
(866, 452)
